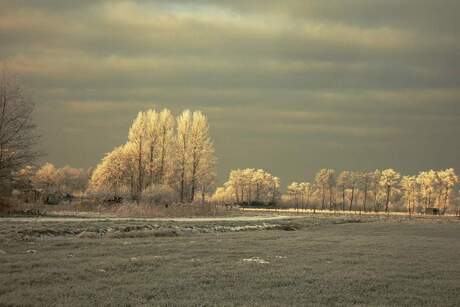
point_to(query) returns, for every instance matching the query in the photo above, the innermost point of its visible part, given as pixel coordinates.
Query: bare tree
(17, 131)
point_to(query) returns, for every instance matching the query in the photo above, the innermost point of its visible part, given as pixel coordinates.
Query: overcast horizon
(290, 88)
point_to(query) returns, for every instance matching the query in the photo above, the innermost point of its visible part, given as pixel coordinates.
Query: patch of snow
(256, 260)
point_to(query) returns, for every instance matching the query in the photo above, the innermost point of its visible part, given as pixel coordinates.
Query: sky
(288, 86)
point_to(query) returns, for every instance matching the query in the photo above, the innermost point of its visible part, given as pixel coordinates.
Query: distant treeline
(379, 190)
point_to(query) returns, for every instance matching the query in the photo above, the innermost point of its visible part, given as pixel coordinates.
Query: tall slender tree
(138, 138)
(428, 182)
(388, 180)
(409, 185)
(166, 143)
(152, 134)
(183, 144)
(201, 150)
(447, 180)
(343, 181)
(324, 181)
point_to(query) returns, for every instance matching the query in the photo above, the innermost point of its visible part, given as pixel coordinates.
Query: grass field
(307, 261)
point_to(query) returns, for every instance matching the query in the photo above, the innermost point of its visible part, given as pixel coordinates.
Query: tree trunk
(151, 165)
(192, 196)
(429, 200)
(365, 197)
(322, 197)
(140, 182)
(330, 198)
(237, 195)
(387, 202)
(182, 183)
(273, 194)
(446, 200)
(132, 185)
(163, 156)
(351, 199)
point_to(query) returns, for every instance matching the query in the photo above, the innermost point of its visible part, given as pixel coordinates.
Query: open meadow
(229, 153)
(289, 261)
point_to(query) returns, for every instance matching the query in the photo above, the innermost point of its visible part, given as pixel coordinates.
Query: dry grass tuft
(174, 210)
(134, 210)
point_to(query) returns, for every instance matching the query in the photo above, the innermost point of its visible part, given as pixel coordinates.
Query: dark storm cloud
(299, 84)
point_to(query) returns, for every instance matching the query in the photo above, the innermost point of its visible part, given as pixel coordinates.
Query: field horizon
(312, 260)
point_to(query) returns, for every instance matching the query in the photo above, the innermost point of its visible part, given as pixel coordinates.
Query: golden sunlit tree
(447, 180)
(428, 181)
(388, 180)
(325, 181)
(157, 160)
(252, 186)
(409, 186)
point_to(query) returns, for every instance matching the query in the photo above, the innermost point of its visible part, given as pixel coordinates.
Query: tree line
(171, 159)
(379, 190)
(35, 183)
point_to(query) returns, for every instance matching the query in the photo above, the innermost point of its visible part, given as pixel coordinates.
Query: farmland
(291, 261)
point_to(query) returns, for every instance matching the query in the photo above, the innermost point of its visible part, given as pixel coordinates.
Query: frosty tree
(201, 153)
(158, 159)
(389, 178)
(409, 185)
(447, 180)
(138, 140)
(183, 144)
(248, 186)
(46, 177)
(300, 193)
(428, 181)
(165, 145)
(325, 180)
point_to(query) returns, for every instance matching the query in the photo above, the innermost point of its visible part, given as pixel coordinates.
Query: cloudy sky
(289, 86)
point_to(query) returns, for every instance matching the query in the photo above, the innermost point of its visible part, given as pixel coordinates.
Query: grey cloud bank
(290, 88)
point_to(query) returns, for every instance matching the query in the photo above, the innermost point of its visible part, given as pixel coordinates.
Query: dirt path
(178, 219)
